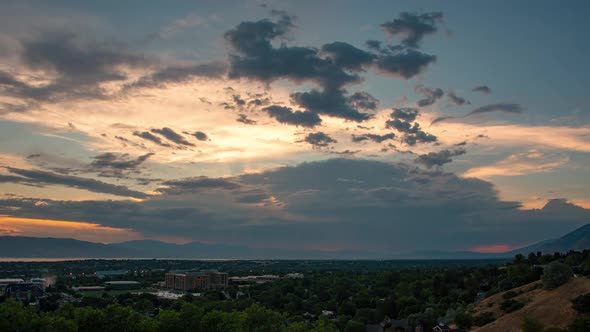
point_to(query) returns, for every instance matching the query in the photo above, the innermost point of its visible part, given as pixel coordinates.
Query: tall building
(186, 281)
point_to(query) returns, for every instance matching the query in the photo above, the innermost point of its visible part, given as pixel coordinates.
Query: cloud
(194, 184)
(483, 89)
(405, 113)
(114, 164)
(430, 95)
(403, 120)
(179, 74)
(531, 162)
(491, 108)
(347, 56)
(399, 208)
(74, 68)
(333, 67)
(38, 177)
(150, 137)
(412, 27)
(404, 63)
(243, 118)
(201, 136)
(330, 102)
(173, 136)
(298, 118)
(319, 140)
(439, 158)
(500, 107)
(456, 100)
(373, 137)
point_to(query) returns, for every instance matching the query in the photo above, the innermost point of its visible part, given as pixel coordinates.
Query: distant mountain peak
(560, 205)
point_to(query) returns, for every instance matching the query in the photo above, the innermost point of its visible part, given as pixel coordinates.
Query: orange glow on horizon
(79, 230)
(493, 248)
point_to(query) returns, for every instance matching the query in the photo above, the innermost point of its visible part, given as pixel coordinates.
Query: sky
(388, 127)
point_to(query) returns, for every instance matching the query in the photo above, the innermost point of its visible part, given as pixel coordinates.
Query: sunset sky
(383, 126)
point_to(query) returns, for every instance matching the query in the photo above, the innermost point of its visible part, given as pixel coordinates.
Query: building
(24, 291)
(192, 280)
(110, 273)
(253, 279)
(216, 279)
(294, 276)
(442, 327)
(9, 281)
(123, 284)
(39, 281)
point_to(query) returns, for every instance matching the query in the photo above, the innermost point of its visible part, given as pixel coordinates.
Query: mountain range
(34, 247)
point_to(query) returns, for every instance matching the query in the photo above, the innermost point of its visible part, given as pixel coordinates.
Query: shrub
(511, 305)
(509, 295)
(484, 318)
(556, 274)
(582, 303)
(531, 325)
(463, 320)
(580, 325)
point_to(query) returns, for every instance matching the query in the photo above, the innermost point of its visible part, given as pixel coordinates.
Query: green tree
(260, 319)
(297, 327)
(354, 326)
(90, 319)
(325, 325)
(56, 323)
(15, 317)
(190, 315)
(219, 321)
(556, 274)
(169, 321)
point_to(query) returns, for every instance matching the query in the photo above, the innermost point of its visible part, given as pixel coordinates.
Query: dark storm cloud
(298, 118)
(319, 139)
(38, 177)
(150, 137)
(491, 108)
(439, 158)
(399, 208)
(201, 136)
(173, 136)
(373, 137)
(483, 89)
(412, 27)
(430, 95)
(456, 100)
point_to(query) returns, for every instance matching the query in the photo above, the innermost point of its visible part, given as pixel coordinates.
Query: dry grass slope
(551, 307)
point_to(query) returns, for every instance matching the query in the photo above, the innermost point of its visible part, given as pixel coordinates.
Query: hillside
(578, 239)
(551, 307)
